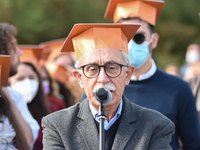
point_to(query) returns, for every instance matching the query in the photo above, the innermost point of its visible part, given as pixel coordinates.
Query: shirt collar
(95, 113)
(148, 74)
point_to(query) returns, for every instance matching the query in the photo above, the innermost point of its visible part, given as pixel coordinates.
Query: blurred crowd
(39, 81)
(190, 71)
(36, 80)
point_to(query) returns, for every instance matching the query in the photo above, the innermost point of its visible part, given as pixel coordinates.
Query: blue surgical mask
(138, 53)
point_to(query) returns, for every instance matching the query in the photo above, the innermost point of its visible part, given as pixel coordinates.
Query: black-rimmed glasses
(112, 70)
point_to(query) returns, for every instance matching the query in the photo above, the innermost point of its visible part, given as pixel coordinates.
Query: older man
(102, 62)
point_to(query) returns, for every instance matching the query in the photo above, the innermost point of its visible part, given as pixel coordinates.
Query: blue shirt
(107, 124)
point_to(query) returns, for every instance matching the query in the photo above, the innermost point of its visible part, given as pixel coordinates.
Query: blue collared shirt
(107, 124)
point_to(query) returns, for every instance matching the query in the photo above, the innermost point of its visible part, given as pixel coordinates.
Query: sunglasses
(139, 38)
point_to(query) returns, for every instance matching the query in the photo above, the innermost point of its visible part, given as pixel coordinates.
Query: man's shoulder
(62, 115)
(163, 75)
(143, 113)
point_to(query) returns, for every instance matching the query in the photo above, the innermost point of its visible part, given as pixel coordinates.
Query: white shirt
(148, 74)
(107, 124)
(22, 106)
(7, 134)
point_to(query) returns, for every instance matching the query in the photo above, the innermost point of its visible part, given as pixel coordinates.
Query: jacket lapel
(126, 127)
(87, 127)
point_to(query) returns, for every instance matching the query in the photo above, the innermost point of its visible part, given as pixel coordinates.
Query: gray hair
(127, 60)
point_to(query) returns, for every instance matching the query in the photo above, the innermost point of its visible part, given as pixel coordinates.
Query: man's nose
(102, 77)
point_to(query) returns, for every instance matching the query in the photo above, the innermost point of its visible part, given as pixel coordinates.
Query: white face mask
(27, 87)
(192, 56)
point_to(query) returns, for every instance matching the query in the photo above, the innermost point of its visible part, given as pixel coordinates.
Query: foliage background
(43, 20)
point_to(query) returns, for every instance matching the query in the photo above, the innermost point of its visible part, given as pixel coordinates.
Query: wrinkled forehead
(102, 56)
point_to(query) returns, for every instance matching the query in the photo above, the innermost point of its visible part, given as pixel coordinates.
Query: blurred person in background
(8, 46)
(192, 70)
(13, 127)
(192, 55)
(51, 88)
(60, 75)
(195, 86)
(66, 59)
(34, 55)
(149, 86)
(28, 82)
(13, 133)
(192, 76)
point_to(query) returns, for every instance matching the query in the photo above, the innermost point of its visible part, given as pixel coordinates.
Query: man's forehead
(102, 54)
(105, 50)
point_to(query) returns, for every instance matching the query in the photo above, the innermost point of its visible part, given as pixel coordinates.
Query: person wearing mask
(103, 62)
(66, 60)
(12, 124)
(33, 54)
(28, 82)
(59, 73)
(149, 86)
(8, 46)
(192, 55)
(51, 88)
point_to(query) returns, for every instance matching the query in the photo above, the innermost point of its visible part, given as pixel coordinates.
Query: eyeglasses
(112, 70)
(139, 38)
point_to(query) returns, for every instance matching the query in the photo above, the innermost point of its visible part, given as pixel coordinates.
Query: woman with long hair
(28, 82)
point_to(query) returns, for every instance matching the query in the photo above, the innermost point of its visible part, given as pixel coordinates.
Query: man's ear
(155, 40)
(129, 73)
(78, 77)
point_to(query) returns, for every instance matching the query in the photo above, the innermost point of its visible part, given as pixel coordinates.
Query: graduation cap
(147, 10)
(31, 54)
(85, 37)
(57, 71)
(52, 48)
(4, 69)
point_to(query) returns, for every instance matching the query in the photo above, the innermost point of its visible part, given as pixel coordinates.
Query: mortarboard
(57, 71)
(4, 69)
(85, 37)
(31, 54)
(147, 10)
(52, 48)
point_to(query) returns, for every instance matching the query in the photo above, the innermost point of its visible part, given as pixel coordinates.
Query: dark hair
(49, 79)
(54, 87)
(150, 26)
(63, 92)
(6, 33)
(39, 106)
(4, 105)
